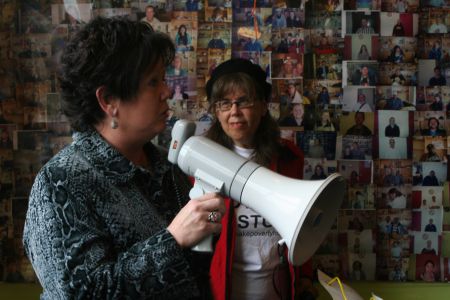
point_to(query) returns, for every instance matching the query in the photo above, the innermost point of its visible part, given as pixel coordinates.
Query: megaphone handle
(205, 245)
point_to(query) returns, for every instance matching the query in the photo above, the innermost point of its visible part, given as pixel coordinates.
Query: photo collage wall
(361, 86)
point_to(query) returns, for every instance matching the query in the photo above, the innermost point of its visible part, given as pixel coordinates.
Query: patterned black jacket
(96, 227)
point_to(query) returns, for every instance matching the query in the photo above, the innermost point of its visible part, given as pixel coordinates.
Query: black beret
(236, 65)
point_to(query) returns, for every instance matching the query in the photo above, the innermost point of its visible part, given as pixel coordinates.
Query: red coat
(288, 163)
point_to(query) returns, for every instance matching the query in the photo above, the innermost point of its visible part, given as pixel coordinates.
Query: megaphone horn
(301, 211)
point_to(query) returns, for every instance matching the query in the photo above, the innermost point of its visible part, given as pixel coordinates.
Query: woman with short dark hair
(102, 222)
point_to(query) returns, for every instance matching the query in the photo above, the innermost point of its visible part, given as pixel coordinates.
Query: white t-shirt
(255, 254)
(362, 108)
(297, 98)
(398, 202)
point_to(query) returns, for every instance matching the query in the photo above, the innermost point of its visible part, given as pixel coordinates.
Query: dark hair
(394, 50)
(267, 136)
(361, 48)
(429, 261)
(185, 29)
(357, 263)
(111, 52)
(433, 118)
(360, 113)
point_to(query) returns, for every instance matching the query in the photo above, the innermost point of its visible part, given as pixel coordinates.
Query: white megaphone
(301, 211)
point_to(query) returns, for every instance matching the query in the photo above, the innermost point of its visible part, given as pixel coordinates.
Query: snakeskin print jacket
(96, 227)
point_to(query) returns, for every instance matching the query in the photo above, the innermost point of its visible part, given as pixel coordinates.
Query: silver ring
(213, 217)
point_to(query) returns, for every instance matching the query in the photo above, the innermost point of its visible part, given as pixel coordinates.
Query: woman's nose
(165, 94)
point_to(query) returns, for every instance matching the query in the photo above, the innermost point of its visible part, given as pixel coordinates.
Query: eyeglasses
(226, 105)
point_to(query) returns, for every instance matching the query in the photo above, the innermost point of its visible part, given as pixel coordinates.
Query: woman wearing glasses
(248, 263)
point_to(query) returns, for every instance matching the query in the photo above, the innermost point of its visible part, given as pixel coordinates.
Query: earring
(114, 123)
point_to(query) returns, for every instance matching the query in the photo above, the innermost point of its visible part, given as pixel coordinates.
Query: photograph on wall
(361, 242)
(286, 66)
(318, 169)
(397, 269)
(327, 66)
(288, 40)
(73, 14)
(434, 149)
(359, 99)
(431, 220)
(395, 97)
(360, 73)
(393, 223)
(430, 123)
(426, 242)
(393, 147)
(327, 120)
(214, 36)
(431, 74)
(433, 98)
(434, 173)
(397, 49)
(247, 17)
(359, 22)
(356, 172)
(400, 6)
(324, 39)
(435, 47)
(357, 124)
(398, 24)
(360, 197)
(429, 197)
(361, 267)
(358, 220)
(427, 268)
(317, 144)
(184, 34)
(391, 173)
(189, 5)
(398, 197)
(394, 123)
(397, 74)
(33, 20)
(365, 5)
(361, 47)
(399, 248)
(287, 93)
(324, 93)
(218, 14)
(247, 39)
(292, 116)
(436, 20)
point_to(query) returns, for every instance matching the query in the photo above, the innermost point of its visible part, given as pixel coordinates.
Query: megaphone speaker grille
(321, 216)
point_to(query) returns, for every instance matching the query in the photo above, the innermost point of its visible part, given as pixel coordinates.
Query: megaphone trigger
(205, 183)
(196, 191)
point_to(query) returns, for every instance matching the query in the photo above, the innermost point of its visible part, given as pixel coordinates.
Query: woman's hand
(191, 224)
